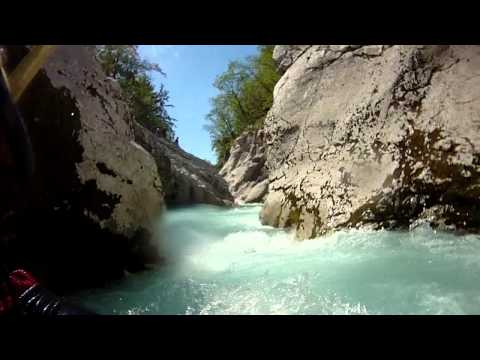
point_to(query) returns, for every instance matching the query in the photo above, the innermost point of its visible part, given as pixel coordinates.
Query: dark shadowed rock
(374, 135)
(86, 215)
(186, 178)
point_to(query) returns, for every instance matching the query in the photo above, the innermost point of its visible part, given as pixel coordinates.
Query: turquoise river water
(223, 261)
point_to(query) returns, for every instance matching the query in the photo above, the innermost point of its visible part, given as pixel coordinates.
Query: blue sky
(191, 71)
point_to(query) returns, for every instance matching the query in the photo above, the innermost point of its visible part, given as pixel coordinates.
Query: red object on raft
(19, 281)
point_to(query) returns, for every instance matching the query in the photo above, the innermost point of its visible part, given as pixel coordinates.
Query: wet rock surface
(374, 135)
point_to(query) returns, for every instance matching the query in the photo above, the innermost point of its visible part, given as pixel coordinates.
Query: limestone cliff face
(86, 215)
(187, 179)
(380, 136)
(245, 170)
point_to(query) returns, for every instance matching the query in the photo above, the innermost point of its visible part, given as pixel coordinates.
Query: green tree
(246, 95)
(149, 106)
(221, 126)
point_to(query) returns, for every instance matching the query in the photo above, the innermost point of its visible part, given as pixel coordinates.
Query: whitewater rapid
(223, 261)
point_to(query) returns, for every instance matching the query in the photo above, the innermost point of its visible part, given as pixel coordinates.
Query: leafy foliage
(149, 106)
(246, 95)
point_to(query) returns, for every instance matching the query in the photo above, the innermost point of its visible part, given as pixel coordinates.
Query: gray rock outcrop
(86, 215)
(374, 135)
(245, 170)
(187, 179)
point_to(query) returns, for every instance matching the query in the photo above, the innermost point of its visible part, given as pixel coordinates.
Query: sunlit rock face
(374, 135)
(245, 170)
(186, 179)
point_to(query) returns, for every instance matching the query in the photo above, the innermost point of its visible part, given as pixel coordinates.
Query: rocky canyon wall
(374, 135)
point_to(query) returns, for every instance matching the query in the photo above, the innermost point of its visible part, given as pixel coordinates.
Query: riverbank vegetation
(246, 95)
(149, 106)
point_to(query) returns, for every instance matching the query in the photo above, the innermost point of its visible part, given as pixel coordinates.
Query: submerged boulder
(85, 217)
(374, 135)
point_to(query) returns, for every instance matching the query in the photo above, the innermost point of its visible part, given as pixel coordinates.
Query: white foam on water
(227, 262)
(290, 296)
(237, 247)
